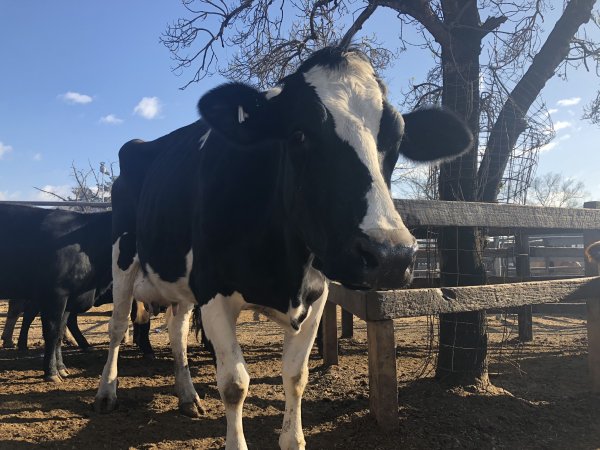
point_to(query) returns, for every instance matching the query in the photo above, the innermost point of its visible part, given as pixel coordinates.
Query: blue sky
(79, 79)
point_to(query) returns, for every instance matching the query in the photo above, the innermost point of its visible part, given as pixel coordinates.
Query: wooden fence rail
(379, 308)
(100, 205)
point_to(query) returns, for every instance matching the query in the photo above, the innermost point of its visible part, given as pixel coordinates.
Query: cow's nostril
(369, 260)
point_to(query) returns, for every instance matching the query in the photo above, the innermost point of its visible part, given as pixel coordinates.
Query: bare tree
(415, 181)
(490, 72)
(91, 185)
(552, 189)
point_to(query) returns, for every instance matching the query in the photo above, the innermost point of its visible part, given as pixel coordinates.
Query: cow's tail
(197, 328)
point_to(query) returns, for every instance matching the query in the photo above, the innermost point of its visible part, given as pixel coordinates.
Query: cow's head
(341, 140)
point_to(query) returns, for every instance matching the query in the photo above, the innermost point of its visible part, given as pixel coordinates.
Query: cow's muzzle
(385, 266)
(368, 264)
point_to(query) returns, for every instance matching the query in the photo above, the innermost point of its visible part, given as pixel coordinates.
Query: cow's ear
(434, 134)
(239, 112)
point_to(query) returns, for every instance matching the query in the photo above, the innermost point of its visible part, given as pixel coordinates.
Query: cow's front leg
(179, 328)
(296, 350)
(106, 397)
(219, 317)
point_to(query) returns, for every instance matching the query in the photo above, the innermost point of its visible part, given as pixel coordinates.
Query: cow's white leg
(179, 327)
(106, 397)
(219, 317)
(296, 350)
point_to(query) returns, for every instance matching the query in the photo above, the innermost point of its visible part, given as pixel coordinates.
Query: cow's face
(341, 140)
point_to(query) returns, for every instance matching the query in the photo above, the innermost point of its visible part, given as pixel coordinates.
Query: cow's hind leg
(141, 329)
(30, 311)
(60, 365)
(296, 350)
(73, 327)
(179, 328)
(15, 308)
(53, 309)
(123, 278)
(219, 317)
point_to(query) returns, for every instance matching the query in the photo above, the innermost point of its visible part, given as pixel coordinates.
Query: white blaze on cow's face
(355, 100)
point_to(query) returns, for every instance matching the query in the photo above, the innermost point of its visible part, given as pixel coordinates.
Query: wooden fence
(379, 308)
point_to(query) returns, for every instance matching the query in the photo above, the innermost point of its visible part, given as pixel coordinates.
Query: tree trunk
(463, 339)
(511, 120)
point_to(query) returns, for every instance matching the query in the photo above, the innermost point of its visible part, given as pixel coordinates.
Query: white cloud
(75, 98)
(37, 157)
(111, 119)
(564, 137)
(548, 147)
(5, 195)
(569, 101)
(148, 107)
(561, 125)
(552, 111)
(4, 149)
(63, 191)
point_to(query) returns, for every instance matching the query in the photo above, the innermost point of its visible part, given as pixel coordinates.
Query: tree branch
(358, 24)
(511, 120)
(421, 11)
(51, 193)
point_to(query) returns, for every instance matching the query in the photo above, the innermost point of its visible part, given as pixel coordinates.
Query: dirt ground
(546, 402)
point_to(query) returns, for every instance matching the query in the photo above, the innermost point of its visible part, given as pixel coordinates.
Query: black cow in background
(60, 260)
(29, 310)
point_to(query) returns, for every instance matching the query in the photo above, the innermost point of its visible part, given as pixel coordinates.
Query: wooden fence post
(524, 274)
(593, 309)
(347, 324)
(330, 338)
(383, 380)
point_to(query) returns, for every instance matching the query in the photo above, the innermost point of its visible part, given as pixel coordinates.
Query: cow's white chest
(151, 289)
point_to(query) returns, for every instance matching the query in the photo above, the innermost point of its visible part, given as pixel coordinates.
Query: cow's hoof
(291, 443)
(192, 409)
(63, 372)
(53, 378)
(8, 344)
(21, 350)
(149, 356)
(104, 405)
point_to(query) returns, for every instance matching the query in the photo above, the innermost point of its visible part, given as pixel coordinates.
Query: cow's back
(154, 184)
(138, 158)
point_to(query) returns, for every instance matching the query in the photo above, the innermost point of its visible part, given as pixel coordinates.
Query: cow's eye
(297, 137)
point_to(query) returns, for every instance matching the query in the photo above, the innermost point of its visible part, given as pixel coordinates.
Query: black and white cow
(258, 204)
(59, 260)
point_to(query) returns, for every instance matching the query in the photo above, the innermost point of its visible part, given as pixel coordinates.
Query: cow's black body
(232, 196)
(58, 259)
